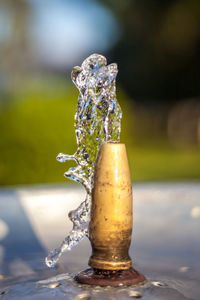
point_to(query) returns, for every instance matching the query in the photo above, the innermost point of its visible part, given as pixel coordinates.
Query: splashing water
(97, 121)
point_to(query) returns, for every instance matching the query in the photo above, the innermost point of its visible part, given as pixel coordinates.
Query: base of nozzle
(110, 278)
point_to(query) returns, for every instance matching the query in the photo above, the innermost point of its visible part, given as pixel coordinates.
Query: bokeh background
(156, 45)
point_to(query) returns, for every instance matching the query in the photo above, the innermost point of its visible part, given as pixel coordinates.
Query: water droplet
(135, 294)
(97, 121)
(195, 212)
(183, 269)
(159, 283)
(83, 296)
(54, 285)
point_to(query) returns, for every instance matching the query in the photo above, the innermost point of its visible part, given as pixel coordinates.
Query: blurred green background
(156, 46)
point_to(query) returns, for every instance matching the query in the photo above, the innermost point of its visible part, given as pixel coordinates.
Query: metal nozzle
(111, 214)
(110, 226)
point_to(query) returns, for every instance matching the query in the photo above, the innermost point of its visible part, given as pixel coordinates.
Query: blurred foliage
(158, 52)
(158, 57)
(34, 129)
(38, 124)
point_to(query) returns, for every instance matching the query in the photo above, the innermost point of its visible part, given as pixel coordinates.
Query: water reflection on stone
(166, 244)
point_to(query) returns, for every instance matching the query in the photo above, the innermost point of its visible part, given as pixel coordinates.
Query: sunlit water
(97, 121)
(63, 286)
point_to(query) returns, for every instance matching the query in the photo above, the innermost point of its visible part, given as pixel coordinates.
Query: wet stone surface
(64, 287)
(165, 244)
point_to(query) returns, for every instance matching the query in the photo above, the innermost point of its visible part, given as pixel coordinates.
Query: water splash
(97, 121)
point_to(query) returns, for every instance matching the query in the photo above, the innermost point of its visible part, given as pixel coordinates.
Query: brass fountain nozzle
(111, 213)
(110, 227)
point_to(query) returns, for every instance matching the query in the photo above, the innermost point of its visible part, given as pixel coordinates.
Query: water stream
(97, 121)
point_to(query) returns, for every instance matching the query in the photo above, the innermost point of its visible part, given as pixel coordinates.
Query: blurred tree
(158, 53)
(16, 49)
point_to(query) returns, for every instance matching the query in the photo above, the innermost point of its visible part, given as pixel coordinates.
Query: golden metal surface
(110, 227)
